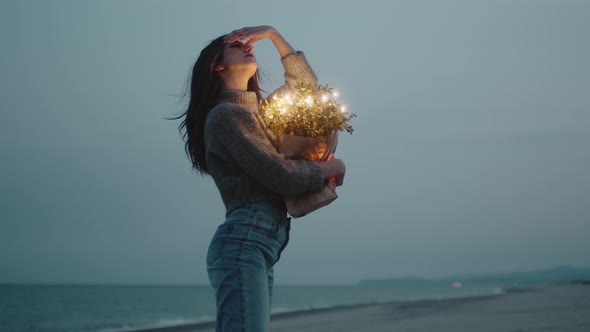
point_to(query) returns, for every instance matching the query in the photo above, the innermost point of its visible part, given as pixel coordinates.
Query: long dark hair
(205, 86)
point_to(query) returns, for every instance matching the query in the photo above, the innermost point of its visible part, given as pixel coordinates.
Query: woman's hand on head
(250, 35)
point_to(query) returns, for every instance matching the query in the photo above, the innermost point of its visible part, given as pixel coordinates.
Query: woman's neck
(237, 87)
(234, 82)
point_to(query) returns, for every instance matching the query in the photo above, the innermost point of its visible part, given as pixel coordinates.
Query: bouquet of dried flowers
(307, 122)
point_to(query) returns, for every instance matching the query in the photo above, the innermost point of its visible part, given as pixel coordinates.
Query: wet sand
(549, 308)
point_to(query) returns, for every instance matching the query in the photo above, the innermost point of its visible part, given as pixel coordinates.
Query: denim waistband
(278, 212)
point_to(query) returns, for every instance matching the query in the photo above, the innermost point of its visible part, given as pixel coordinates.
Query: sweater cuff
(316, 176)
(295, 62)
(293, 54)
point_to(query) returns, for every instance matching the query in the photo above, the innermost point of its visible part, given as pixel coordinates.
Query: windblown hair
(205, 87)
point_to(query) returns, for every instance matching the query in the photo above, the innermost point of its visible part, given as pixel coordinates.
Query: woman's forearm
(281, 44)
(333, 168)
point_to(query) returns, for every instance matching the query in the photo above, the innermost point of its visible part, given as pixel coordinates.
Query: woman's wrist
(281, 44)
(273, 33)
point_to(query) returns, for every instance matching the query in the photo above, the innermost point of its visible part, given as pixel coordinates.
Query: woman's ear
(218, 68)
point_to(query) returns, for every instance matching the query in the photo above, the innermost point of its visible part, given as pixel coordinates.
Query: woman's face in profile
(237, 54)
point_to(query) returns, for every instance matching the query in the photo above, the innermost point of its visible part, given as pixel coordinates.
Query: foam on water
(172, 322)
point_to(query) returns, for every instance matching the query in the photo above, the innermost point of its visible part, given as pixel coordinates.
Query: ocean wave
(162, 323)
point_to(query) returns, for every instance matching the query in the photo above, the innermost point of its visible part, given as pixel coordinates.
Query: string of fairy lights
(309, 110)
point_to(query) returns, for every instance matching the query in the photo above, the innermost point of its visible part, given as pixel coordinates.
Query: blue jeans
(240, 263)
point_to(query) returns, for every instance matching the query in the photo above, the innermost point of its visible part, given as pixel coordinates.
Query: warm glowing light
(308, 111)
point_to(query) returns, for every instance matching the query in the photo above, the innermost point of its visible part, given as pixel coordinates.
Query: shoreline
(561, 307)
(306, 314)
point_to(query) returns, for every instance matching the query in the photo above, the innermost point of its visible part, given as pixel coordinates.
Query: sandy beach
(549, 308)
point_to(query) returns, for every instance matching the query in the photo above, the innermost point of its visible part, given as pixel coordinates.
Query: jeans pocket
(218, 242)
(266, 224)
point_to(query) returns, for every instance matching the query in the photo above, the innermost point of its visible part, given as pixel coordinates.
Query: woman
(226, 138)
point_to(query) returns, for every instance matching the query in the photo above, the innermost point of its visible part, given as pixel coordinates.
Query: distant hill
(560, 274)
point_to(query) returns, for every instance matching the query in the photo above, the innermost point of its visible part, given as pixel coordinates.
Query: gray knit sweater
(241, 158)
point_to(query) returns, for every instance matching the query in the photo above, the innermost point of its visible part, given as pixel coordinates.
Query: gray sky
(470, 151)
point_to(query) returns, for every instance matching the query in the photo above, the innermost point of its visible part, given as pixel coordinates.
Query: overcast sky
(470, 151)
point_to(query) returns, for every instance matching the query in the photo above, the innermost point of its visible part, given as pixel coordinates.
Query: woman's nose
(249, 49)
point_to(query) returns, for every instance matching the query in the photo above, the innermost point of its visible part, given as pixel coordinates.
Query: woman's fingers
(236, 38)
(232, 37)
(252, 40)
(249, 35)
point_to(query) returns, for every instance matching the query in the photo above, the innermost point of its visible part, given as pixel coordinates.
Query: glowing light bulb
(335, 93)
(342, 108)
(324, 98)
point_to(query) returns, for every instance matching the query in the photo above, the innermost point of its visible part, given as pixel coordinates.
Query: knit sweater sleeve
(237, 131)
(297, 69)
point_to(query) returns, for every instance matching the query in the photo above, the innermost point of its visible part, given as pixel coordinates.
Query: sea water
(131, 308)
